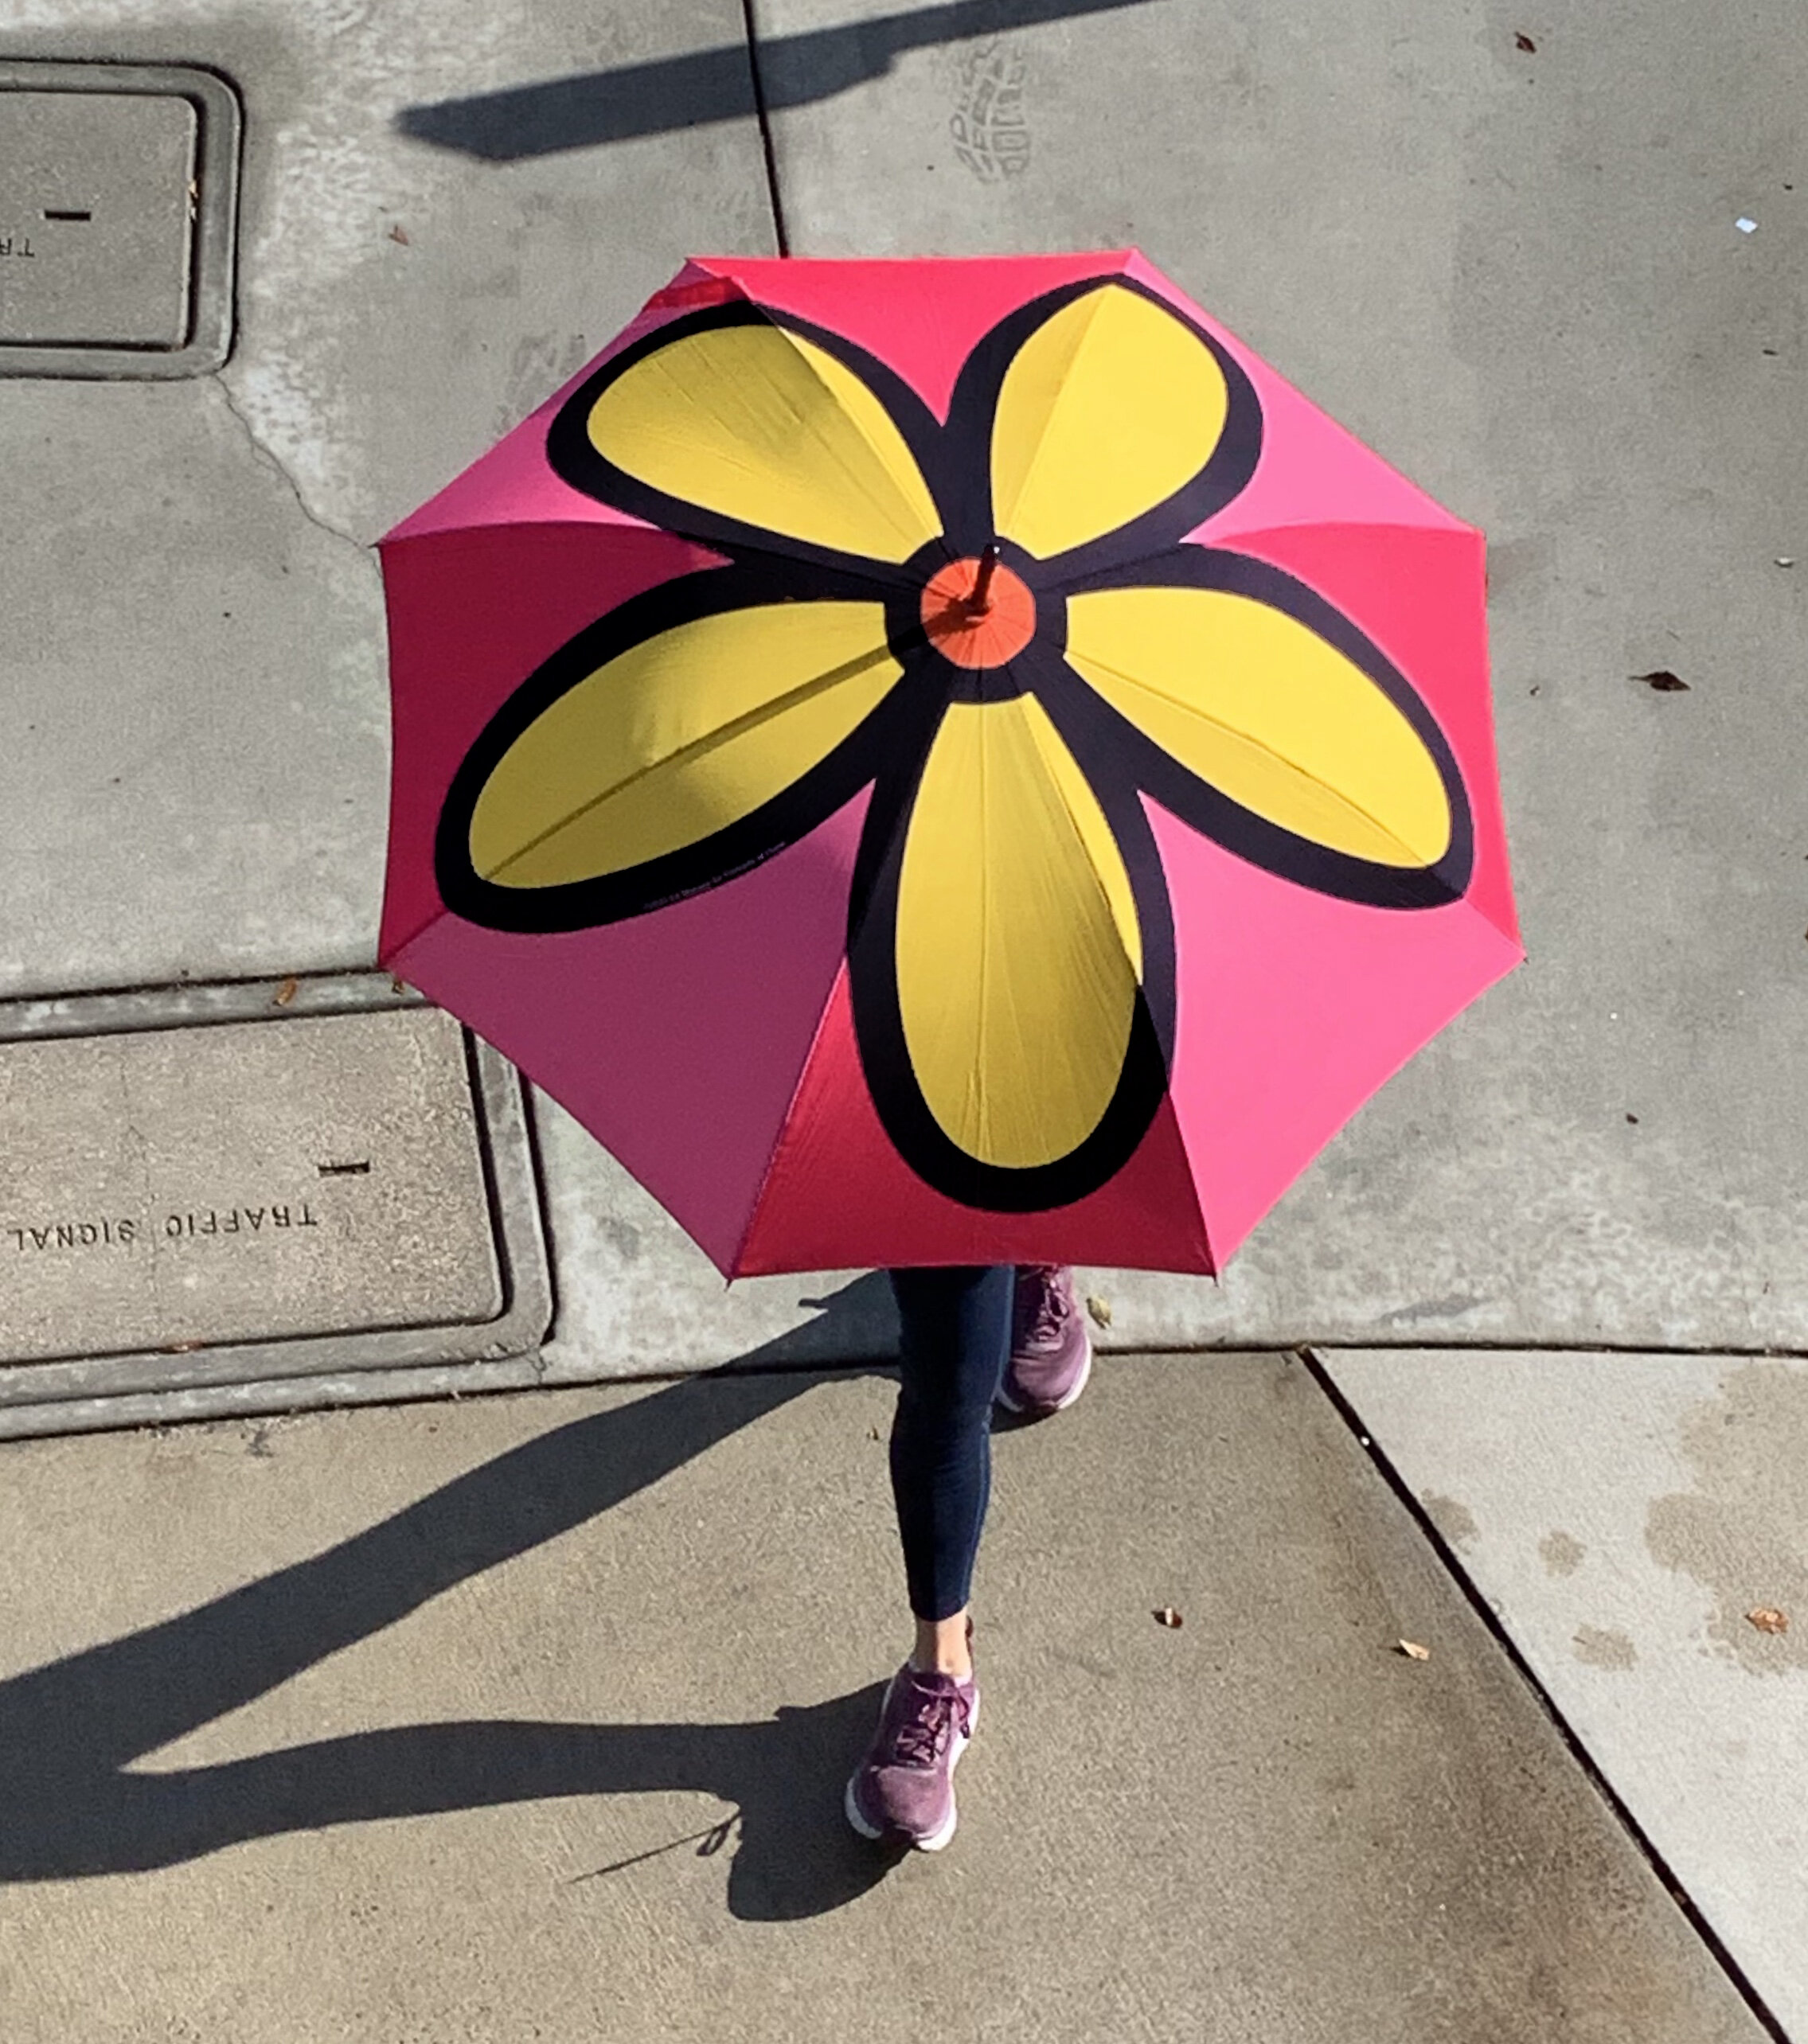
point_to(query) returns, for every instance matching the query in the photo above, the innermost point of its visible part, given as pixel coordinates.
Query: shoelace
(1051, 1310)
(920, 1743)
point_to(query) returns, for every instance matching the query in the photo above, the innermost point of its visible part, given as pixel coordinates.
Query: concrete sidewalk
(1517, 273)
(528, 1718)
(1636, 1523)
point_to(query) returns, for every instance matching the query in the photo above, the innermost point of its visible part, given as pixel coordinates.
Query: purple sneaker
(1051, 1350)
(904, 1787)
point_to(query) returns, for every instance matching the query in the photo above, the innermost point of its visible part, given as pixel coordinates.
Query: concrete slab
(194, 780)
(1623, 1514)
(1517, 274)
(532, 1715)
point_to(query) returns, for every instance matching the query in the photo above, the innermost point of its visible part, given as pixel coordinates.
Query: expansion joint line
(762, 114)
(1313, 1360)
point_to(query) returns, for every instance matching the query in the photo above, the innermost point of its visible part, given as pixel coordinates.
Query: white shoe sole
(936, 1839)
(1061, 1404)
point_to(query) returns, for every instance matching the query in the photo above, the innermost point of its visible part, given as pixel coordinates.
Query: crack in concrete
(269, 457)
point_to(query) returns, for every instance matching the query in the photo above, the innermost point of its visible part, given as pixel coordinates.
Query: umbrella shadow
(716, 85)
(73, 1805)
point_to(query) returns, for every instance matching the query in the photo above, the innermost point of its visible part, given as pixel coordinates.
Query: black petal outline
(791, 814)
(890, 750)
(1101, 731)
(879, 1032)
(973, 410)
(577, 460)
(960, 486)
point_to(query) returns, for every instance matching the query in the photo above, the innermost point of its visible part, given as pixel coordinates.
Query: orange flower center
(969, 635)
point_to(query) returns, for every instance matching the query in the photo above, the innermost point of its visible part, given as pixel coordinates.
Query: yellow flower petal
(677, 738)
(1253, 702)
(1109, 407)
(1018, 950)
(754, 423)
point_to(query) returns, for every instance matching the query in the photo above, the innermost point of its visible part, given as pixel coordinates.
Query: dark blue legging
(955, 1339)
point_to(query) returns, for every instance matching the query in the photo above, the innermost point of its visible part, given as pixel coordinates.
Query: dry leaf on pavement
(1169, 1617)
(1100, 1309)
(1666, 683)
(1524, 42)
(1413, 1651)
(400, 234)
(1768, 1619)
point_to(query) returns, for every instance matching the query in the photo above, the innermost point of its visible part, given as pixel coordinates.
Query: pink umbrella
(944, 762)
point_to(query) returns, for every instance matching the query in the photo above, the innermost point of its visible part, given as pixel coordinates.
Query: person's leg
(955, 1333)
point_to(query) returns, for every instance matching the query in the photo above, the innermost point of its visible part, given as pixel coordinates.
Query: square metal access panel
(119, 200)
(258, 1198)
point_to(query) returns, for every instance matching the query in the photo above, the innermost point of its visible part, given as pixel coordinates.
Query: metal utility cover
(94, 218)
(117, 200)
(240, 1184)
(242, 1199)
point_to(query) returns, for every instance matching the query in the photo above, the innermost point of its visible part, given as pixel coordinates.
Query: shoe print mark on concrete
(991, 132)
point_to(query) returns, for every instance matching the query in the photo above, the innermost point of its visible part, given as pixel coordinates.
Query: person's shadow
(70, 1803)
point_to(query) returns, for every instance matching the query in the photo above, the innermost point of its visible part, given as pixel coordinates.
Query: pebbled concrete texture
(401, 1763)
(1623, 1514)
(530, 1717)
(1518, 276)
(196, 777)
(1598, 1153)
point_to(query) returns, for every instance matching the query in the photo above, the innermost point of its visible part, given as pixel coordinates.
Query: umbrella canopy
(943, 761)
